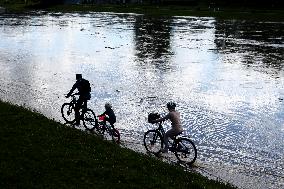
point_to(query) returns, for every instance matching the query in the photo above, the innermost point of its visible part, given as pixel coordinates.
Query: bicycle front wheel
(115, 136)
(89, 119)
(153, 141)
(68, 112)
(185, 151)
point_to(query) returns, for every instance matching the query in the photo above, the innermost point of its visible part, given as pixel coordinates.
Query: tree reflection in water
(152, 41)
(260, 42)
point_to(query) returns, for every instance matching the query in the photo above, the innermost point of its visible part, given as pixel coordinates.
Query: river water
(226, 76)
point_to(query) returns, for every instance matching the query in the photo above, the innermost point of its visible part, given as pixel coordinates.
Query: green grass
(36, 152)
(154, 10)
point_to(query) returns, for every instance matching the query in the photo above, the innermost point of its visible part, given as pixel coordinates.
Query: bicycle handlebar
(71, 95)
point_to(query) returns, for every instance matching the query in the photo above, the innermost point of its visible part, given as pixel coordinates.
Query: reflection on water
(225, 75)
(261, 43)
(152, 40)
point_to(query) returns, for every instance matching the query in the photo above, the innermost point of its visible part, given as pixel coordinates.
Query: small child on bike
(174, 117)
(110, 115)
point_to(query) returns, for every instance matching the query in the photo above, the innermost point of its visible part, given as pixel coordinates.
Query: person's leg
(77, 110)
(85, 101)
(170, 133)
(109, 121)
(111, 124)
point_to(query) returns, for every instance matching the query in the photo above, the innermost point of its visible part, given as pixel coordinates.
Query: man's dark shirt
(83, 88)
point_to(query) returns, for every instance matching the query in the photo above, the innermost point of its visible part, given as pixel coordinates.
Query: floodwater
(226, 76)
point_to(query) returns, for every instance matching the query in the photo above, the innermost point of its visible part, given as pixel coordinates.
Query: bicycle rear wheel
(68, 112)
(153, 141)
(185, 151)
(89, 119)
(110, 133)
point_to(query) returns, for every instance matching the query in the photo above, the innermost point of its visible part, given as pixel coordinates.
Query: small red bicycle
(104, 128)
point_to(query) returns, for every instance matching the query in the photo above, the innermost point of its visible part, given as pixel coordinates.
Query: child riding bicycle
(110, 115)
(174, 117)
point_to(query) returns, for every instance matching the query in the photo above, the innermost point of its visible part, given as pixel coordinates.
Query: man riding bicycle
(176, 129)
(84, 89)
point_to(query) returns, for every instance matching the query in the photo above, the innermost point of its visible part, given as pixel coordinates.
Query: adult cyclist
(174, 117)
(84, 89)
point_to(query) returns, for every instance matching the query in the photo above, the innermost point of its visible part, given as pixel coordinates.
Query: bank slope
(36, 152)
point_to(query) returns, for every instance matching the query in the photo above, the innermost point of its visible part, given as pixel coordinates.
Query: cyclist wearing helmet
(84, 89)
(176, 129)
(110, 115)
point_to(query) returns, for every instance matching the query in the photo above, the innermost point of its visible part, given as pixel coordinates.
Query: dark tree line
(247, 3)
(51, 2)
(239, 3)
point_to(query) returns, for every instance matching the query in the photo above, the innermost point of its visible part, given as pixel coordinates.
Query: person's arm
(162, 119)
(71, 91)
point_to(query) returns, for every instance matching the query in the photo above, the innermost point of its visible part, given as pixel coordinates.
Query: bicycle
(183, 148)
(103, 127)
(86, 115)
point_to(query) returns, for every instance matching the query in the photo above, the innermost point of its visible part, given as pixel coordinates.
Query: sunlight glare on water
(225, 75)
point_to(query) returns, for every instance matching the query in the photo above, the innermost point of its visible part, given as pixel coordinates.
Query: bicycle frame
(161, 130)
(105, 126)
(74, 101)
(181, 146)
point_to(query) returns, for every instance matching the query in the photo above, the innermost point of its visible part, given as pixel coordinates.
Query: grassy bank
(154, 10)
(36, 152)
